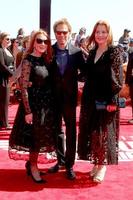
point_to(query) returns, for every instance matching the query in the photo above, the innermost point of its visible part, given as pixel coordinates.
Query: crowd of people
(47, 75)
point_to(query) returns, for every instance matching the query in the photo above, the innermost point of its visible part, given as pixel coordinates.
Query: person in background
(73, 37)
(36, 110)
(130, 50)
(125, 57)
(68, 60)
(81, 75)
(99, 116)
(6, 71)
(81, 34)
(15, 78)
(20, 36)
(20, 39)
(83, 48)
(14, 48)
(25, 46)
(129, 76)
(125, 38)
(21, 32)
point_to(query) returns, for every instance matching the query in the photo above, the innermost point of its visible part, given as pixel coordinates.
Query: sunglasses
(40, 41)
(7, 39)
(61, 32)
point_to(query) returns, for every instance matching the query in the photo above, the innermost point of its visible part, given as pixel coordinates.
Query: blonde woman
(6, 71)
(99, 117)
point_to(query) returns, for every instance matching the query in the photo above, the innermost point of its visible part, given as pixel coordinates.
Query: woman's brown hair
(47, 55)
(91, 40)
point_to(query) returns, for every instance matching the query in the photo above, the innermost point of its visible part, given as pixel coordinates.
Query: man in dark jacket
(68, 60)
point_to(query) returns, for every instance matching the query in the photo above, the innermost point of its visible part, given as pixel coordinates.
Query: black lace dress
(99, 129)
(37, 98)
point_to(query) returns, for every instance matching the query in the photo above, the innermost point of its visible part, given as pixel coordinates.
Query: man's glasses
(61, 32)
(40, 41)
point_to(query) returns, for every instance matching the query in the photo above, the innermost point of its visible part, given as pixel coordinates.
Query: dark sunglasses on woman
(40, 41)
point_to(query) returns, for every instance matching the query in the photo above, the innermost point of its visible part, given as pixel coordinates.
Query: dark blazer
(66, 85)
(5, 71)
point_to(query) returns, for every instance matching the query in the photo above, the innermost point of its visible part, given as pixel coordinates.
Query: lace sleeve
(117, 71)
(24, 84)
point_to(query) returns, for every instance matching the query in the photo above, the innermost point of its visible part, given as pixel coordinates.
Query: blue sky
(15, 14)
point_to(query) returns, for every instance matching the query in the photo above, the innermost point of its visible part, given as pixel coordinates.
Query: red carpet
(118, 183)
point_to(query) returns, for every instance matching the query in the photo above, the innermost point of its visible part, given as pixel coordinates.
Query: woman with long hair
(36, 110)
(99, 117)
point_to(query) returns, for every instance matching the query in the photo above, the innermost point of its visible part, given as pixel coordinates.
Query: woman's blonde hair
(91, 40)
(3, 35)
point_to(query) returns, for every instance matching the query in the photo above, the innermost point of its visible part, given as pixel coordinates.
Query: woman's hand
(111, 108)
(29, 118)
(29, 84)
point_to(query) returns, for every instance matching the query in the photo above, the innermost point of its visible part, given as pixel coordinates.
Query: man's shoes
(70, 174)
(55, 168)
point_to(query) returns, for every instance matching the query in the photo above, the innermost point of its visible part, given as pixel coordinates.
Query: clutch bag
(101, 105)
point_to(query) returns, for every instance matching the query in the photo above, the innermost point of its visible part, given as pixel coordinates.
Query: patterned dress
(99, 129)
(37, 98)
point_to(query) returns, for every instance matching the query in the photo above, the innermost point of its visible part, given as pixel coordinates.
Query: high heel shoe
(93, 171)
(100, 174)
(29, 173)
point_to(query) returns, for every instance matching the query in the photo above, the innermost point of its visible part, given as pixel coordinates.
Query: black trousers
(68, 114)
(4, 102)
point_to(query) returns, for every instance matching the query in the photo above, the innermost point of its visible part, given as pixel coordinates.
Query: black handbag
(101, 105)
